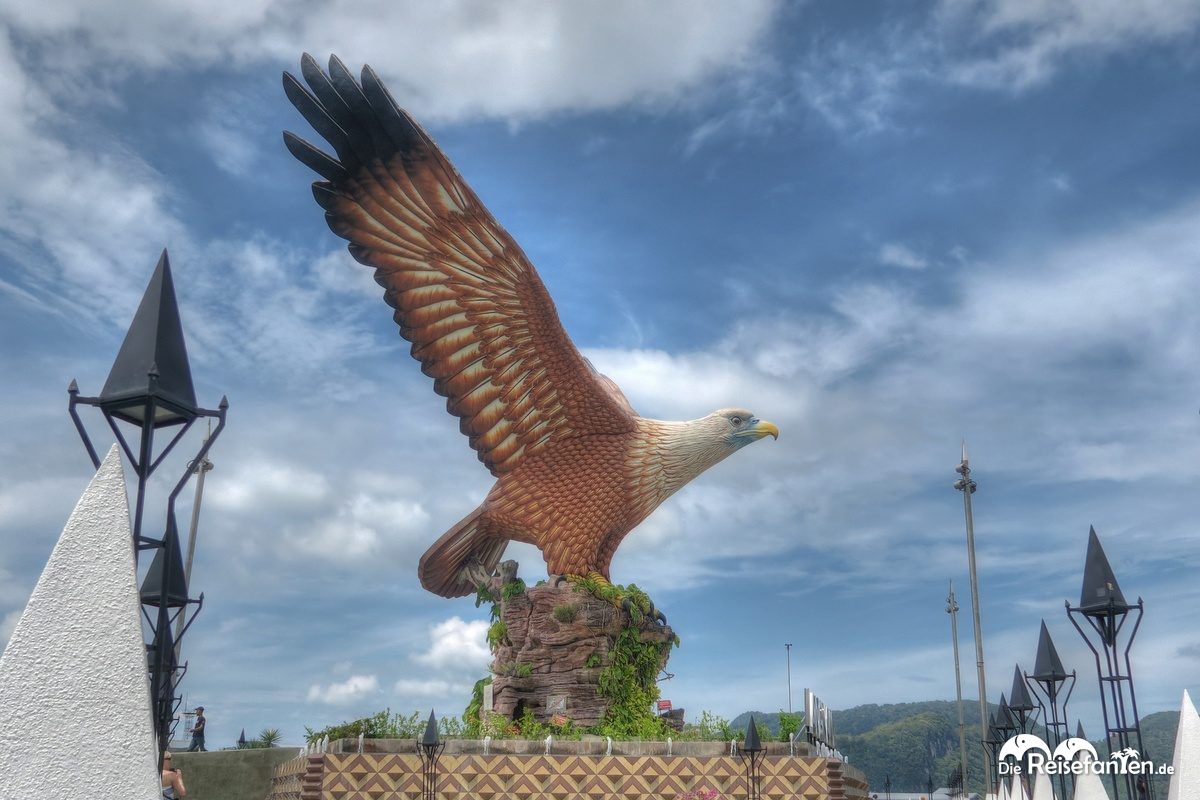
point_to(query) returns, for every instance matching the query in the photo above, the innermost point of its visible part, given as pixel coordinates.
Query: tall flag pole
(967, 487)
(952, 610)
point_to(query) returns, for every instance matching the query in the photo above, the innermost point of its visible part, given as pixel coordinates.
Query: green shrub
(566, 613)
(789, 723)
(497, 634)
(383, 725)
(514, 588)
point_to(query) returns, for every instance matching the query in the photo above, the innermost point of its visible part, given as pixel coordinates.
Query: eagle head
(738, 427)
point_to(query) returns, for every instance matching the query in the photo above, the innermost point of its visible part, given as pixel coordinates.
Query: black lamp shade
(167, 566)
(1019, 699)
(1047, 667)
(152, 363)
(430, 737)
(752, 744)
(1101, 595)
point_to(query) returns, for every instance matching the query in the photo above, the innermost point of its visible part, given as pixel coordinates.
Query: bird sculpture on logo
(576, 468)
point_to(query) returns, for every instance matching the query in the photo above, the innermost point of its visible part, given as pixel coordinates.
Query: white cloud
(451, 60)
(363, 527)
(862, 82)
(896, 254)
(356, 687)
(412, 687)
(458, 646)
(1024, 42)
(268, 483)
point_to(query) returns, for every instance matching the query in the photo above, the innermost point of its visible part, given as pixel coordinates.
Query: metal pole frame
(753, 761)
(1108, 628)
(1054, 714)
(952, 610)
(429, 769)
(967, 487)
(164, 666)
(788, 647)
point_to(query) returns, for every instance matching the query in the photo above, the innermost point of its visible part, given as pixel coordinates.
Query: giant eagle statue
(576, 468)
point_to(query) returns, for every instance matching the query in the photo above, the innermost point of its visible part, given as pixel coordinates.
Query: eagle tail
(462, 558)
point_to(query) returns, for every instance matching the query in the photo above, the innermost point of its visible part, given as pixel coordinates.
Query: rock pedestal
(557, 640)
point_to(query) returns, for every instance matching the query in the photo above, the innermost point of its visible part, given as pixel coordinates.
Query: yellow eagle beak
(762, 428)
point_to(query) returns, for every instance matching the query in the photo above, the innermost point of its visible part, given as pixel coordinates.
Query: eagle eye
(736, 420)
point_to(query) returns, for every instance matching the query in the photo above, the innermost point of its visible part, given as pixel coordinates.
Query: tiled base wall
(383, 776)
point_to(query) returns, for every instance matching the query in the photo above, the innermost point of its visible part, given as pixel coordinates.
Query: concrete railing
(588, 746)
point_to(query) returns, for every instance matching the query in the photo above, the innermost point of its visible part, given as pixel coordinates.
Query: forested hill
(911, 742)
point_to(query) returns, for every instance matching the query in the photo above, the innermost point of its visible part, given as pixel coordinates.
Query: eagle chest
(578, 493)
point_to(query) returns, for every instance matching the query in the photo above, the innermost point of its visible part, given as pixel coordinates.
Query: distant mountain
(915, 742)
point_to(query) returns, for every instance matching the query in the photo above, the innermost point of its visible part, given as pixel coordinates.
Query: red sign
(664, 705)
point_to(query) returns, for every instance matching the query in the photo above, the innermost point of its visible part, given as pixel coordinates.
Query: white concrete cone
(1004, 795)
(74, 697)
(1185, 783)
(1089, 785)
(1042, 788)
(1018, 789)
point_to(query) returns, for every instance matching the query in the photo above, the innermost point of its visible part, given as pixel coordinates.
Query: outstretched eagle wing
(480, 321)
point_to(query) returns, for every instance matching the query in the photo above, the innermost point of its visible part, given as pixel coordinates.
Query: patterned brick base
(391, 776)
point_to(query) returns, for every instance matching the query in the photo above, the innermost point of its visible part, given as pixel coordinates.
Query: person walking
(198, 731)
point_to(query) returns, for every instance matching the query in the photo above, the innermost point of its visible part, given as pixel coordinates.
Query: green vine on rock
(497, 634)
(629, 683)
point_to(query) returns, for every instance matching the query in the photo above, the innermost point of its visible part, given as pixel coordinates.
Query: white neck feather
(686, 449)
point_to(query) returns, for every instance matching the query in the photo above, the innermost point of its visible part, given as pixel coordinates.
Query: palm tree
(270, 737)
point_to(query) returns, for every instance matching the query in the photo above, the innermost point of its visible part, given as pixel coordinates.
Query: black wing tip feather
(358, 117)
(325, 194)
(308, 155)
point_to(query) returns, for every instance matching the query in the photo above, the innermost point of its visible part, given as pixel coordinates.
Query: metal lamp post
(431, 748)
(887, 786)
(1103, 609)
(967, 486)
(751, 752)
(1005, 727)
(992, 743)
(1048, 680)
(150, 388)
(1020, 704)
(952, 610)
(788, 647)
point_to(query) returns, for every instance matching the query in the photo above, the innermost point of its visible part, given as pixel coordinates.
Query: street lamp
(1020, 704)
(751, 752)
(150, 388)
(1005, 727)
(788, 647)
(1102, 607)
(952, 610)
(967, 486)
(431, 748)
(991, 748)
(1048, 679)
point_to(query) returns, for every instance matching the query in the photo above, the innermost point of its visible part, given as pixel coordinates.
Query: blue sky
(883, 226)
